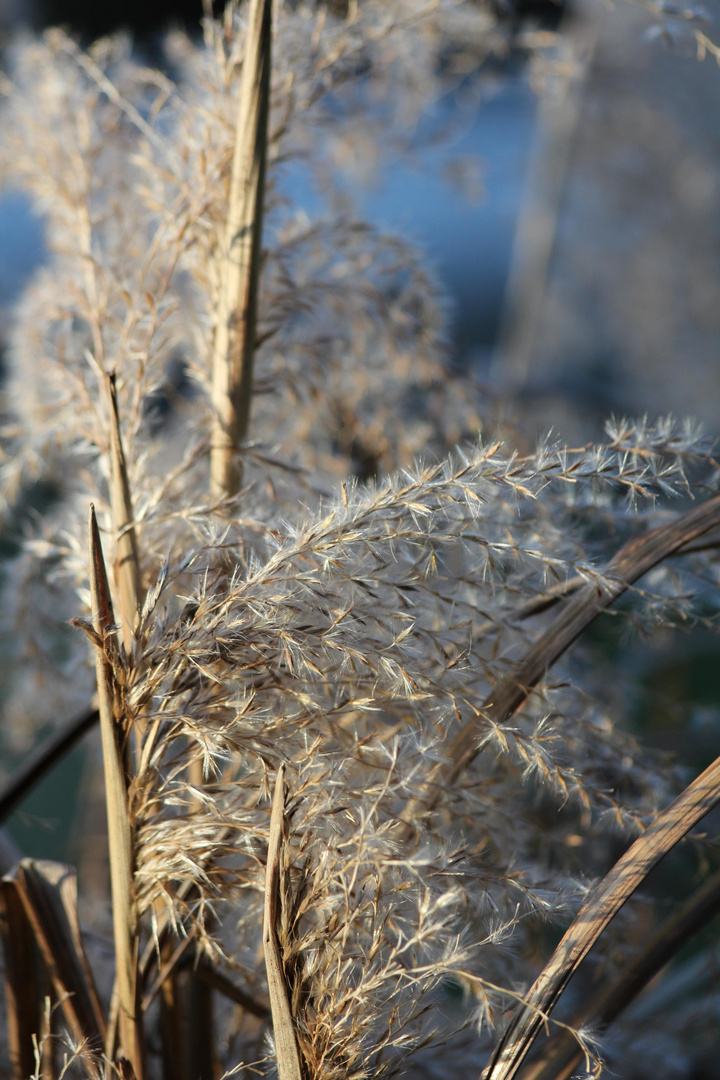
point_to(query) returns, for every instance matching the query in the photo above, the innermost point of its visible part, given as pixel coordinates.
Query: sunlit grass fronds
(376, 626)
(349, 654)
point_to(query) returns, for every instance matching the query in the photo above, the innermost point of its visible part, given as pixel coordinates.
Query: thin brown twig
(42, 759)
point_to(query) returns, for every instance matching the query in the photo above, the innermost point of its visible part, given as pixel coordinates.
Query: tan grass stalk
(234, 342)
(127, 564)
(22, 997)
(286, 1048)
(45, 1049)
(603, 904)
(48, 893)
(119, 829)
(562, 1055)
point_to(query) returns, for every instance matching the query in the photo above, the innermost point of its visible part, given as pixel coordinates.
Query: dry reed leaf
(22, 998)
(563, 1054)
(605, 901)
(125, 926)
(234, 343)
(127, 564)
(286, 1048)
(48, 893)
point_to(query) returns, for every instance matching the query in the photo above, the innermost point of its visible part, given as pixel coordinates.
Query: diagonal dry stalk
(42, 759)
(234, 342)
(603, 904)
(286, 1048)
(563, 1054)
(633, 559)
(120, 844)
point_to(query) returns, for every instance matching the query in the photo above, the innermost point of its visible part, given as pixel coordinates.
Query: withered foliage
(345, 620)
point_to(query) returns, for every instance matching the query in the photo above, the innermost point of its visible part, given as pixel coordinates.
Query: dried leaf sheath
(288, 1055)
(119, 830)
(127, 563)
(605, 901)
(234, 343)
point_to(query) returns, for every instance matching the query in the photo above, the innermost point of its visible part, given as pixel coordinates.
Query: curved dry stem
(604, 903)
(634, 559)
(563, 1054)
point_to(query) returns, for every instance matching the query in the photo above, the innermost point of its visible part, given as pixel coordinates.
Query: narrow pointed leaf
(633, 560)
(119, 831)
(563, 1054)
